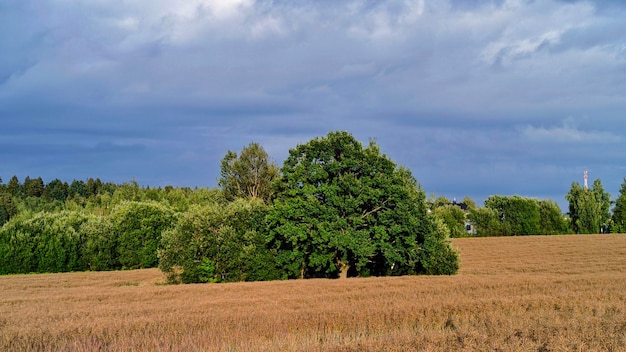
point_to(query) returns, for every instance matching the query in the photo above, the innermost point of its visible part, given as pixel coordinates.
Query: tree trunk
(343, 270)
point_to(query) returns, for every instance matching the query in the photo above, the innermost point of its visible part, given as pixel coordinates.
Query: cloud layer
(476, 97)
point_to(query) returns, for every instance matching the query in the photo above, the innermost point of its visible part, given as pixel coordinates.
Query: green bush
(218, 243)
(101, 244)
(138, 227)
(43, 242)
(454, 218)
(437, 256)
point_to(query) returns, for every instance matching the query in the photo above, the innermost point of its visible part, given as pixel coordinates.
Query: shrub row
(76, 240)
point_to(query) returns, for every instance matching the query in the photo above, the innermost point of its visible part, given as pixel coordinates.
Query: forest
(336, 208)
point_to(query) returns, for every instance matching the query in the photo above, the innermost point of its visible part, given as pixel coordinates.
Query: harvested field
(538, 293)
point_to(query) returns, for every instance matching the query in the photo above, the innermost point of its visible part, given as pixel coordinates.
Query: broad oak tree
(345, 210)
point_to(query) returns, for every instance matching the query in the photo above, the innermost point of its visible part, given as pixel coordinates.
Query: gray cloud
(568, 134)
(476, 97)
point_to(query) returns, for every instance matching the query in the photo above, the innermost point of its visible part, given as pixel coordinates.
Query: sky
(475, 97)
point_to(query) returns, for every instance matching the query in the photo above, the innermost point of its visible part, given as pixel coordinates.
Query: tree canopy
(518, 215)
(248, 175)
(346, 210)
(619, 212)
(588, 208)
(336, 208)
(216, 243)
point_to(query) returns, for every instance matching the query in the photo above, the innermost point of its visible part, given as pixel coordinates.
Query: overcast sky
(476, 97)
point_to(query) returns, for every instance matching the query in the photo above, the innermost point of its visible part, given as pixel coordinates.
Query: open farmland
(539, 293)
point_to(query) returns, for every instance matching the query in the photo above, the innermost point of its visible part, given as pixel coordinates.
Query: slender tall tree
(588, 208)
(603, 199)
(14, 187)
(248, 175)
(619, 212)
(33, 187)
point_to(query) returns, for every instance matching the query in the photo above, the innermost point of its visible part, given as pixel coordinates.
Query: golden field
(538, 293)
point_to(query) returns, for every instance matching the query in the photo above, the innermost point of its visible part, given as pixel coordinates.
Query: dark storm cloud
(476, 97)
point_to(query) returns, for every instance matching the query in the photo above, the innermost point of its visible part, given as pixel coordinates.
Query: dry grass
(560, 293)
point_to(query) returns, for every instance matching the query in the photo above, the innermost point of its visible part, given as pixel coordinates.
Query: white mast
(586, 176)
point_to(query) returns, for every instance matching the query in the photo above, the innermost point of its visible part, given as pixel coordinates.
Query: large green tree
(247, 175)
(619, 212)
(346, 210)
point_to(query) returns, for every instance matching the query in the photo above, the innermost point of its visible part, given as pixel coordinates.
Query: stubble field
(539, 293)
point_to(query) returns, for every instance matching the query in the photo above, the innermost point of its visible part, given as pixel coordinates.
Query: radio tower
(586, 176)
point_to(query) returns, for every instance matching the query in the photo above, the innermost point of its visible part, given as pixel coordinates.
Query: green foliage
(589, 219)
(588, 209)
(43, 242)
(218, 243)
(33, 187)
(4, 215)
(454, 218)
(14, 187)
(77, 189)
(437, 202)
(551, 221)
(56, 190)
(486, 222)
(207, 271)
(115, 235)
(7, 208)
(347, 210)
(138, 227)
(469, 202)
(128, 192)
(437, 256)
(604, 201)
(101, 252)
(518, 215)
(619, 212)
(176, 198)
(513, 216)
(249, 175)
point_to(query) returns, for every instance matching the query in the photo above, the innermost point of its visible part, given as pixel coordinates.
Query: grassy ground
(559, 293)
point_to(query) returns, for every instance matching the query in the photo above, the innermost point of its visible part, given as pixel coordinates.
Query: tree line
(589, 212)
(500, 216)
(336, 208)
